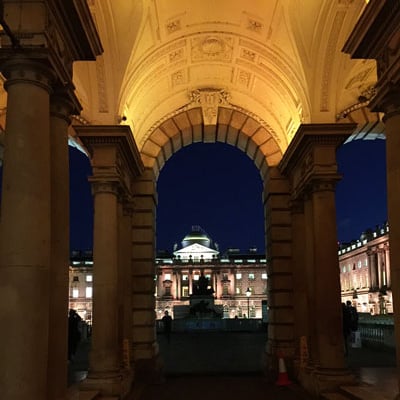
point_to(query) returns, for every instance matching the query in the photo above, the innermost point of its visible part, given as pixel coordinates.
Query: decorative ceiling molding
(329, 60)
(209, 100)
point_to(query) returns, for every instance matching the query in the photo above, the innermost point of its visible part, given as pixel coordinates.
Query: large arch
(234, 127)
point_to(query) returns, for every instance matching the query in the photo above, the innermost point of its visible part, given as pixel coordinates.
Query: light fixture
(248, 294)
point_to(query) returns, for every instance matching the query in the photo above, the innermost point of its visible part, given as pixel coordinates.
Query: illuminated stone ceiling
(277, 62)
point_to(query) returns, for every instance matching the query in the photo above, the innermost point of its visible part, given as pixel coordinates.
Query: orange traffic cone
(283, 379)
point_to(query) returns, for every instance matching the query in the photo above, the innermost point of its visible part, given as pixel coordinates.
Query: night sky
(219, 188)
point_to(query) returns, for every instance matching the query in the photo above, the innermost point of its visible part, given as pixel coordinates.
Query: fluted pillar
(25, 229)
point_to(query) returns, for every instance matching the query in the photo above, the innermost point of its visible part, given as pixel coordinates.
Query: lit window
(89, 292)
(238, 290)
(89, 278)
(238, 275)
(185, 277)
(75, 293)
(359, 264)
(196, 277)
(251, 277)
(167, 277)
(264, 275)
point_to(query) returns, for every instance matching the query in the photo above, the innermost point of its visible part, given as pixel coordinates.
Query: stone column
(381, 268)
(328, 321)
(25, 232)
(392, 129)
(62, 105)
(115, 163)
(310, 163)
(372, 270)
(177, 276)
(386, 52)
(190, 281)
(215, 285)
(387, 264)
(104, 367)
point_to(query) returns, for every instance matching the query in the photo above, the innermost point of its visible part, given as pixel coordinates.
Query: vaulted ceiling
(278, 61)
(274, 63)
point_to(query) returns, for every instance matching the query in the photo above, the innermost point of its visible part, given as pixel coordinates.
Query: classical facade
(365, 277)
(81, 284)
(238, 281)
(285, 82)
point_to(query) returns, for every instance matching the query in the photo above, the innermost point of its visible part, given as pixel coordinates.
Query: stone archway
(298, 203)
(236, 128)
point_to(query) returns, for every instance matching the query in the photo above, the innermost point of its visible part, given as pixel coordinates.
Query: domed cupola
(197, 246)
(197, 235)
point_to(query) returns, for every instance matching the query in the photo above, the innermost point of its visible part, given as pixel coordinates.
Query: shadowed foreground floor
(220, 365)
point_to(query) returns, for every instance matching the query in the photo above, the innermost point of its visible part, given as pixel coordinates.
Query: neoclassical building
(365, 277)
(132, 82)
(238, 281)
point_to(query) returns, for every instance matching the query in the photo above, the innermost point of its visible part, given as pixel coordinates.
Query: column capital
(101, 186)
(310, 160)
(323, 184)
(56, 32)
(23, 70)
(64, 103)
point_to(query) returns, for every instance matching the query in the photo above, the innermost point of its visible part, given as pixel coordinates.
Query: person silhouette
(167, 323)
(74, 333)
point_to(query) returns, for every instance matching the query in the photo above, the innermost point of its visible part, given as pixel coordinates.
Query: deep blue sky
(218, 187)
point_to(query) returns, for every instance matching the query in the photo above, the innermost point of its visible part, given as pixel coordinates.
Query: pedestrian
(167, 323)
(353, 316)
(74, 333)
(346, 323)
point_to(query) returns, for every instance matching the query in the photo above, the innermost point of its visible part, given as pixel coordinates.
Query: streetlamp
(248, 294)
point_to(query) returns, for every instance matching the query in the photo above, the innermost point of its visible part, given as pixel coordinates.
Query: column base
(319, 380)
(108, 384)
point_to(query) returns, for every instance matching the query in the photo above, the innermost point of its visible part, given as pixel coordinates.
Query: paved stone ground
(219, 365)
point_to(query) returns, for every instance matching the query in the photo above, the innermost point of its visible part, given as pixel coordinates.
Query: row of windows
(88, 292)
(239, 276)
(88, 278)
(350, 267)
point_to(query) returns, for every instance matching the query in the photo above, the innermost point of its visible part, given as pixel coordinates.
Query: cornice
(117, 135)
(309, 135)
(367, 38)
